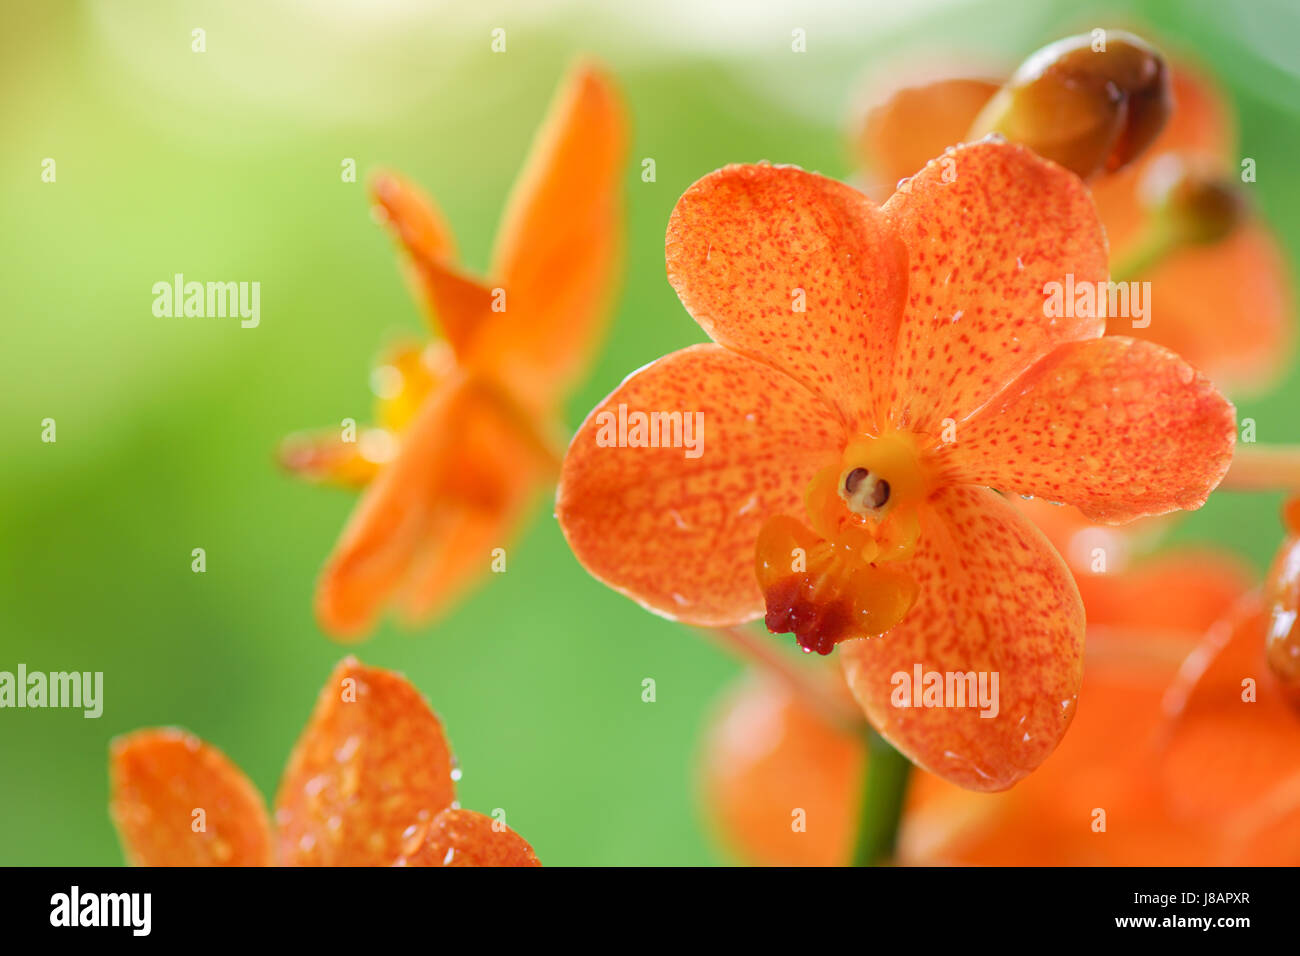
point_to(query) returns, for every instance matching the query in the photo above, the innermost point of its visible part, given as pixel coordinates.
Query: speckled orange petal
(898, 135)
(994, 598)
(466, 464)
(674, 532)
(177, 801)
(1228, 308)
(371, 767)
(1229, 760)
(987, 226)
(466, 838)
(456, 303)
(1117, 427)
(560, 243)
(796, 270)
(779, 783)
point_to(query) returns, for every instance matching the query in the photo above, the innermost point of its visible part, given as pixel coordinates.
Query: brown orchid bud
(1191, 199)
(1090, 103)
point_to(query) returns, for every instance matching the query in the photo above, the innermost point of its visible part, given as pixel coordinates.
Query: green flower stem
(1156, 243)
(881, 810)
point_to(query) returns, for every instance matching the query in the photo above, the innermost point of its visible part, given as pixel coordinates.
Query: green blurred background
(225, 165)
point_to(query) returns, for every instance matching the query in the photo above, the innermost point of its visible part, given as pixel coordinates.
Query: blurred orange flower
(1151, 779)
(1226, 306)
(1282, 598)
(370, 783)
(881, 368)
(466, 427)
(778, 780)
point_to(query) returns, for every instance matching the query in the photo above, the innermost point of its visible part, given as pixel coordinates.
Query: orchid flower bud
(1091, 106)
(1192, 199)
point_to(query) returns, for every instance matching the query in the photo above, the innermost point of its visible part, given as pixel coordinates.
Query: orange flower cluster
(883, 380)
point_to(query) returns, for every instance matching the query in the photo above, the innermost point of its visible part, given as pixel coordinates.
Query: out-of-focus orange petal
(161, 780)
(1227, 308)
(1266, 833)
(418, 223)
(560, 243)
(986, 227)
(465, 472)
(994, 598)
(1078, 540)
(900, 134)
(676, 529)
(466, 838)
(1186, 590)
(796, 270)
(1282, 595)
(370, 769)
(1054, 816)
(1200, 123)
(461, 542)
(779, 781)
(1230, 757)
(456, 303)
(1117, 427)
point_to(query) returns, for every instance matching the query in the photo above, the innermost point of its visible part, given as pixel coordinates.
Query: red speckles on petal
(466, 838)
(677, 532)
(799, 271)
(371, 764)
(995, 599)
(986, 226)
(1118, 427)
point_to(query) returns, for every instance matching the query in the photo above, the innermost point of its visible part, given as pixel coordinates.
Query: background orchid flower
(1224, 303)
(767, 753)
(924, 320)
(1229, 762)
(370, 783)
(466, 428)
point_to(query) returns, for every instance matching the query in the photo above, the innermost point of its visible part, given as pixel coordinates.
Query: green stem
(1154, 245)
(882, 803)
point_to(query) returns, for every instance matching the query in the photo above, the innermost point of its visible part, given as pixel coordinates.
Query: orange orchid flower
(1226, 306)
(465, 426)
(370, 783)
(769, 754)
(848, 447)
